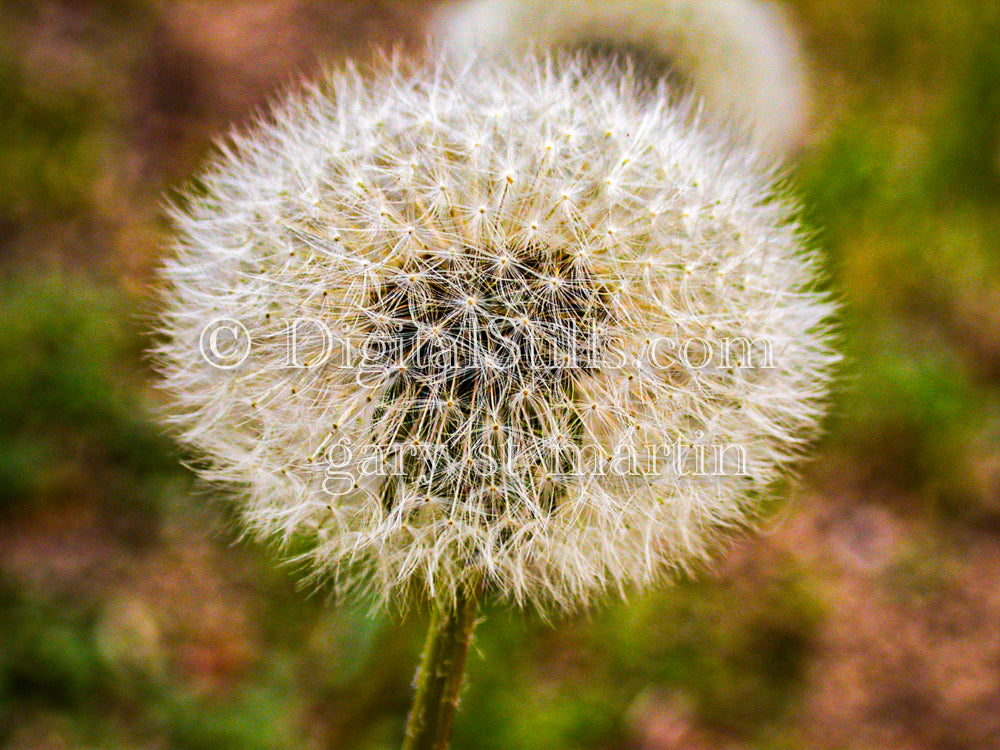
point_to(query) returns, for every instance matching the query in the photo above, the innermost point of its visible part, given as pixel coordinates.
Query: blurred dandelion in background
(739, 57)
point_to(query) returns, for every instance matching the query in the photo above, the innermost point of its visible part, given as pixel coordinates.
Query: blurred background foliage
(130, 616)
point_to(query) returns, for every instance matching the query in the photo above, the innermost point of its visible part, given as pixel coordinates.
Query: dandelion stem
(439, 678)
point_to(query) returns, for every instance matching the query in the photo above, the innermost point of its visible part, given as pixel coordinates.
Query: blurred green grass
(901, 188)
(72, 411)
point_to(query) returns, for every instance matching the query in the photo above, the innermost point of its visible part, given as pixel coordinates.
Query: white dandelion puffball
(742, 56)
(505, 325)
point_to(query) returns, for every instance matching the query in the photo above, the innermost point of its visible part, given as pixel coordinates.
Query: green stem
(439, 679)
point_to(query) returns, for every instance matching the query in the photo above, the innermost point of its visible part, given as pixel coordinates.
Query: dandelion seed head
(480, 309)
